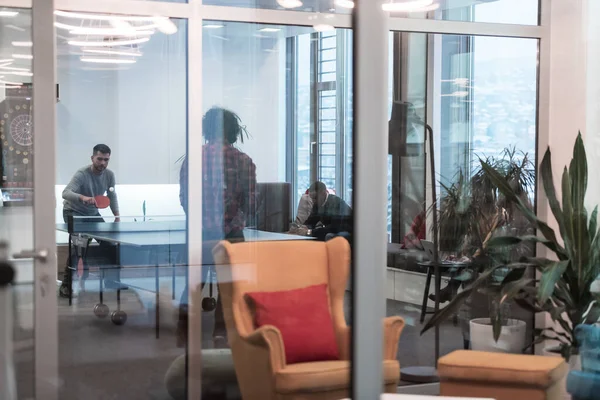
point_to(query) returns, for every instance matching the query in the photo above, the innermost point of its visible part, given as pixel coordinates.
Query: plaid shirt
(228, 188)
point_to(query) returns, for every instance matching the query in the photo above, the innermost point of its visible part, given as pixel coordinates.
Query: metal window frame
(370, 40)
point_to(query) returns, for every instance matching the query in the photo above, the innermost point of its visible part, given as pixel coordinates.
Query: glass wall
(209, 244)
(16, 189)
(484, 108)
(121, 139)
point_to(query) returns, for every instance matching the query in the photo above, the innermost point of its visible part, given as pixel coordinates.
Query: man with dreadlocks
(228, 195)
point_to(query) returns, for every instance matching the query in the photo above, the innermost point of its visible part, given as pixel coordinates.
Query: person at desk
(330, 216)
(88, 182)
(228, 196)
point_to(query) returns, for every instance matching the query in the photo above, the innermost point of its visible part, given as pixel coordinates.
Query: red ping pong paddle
(102, 201)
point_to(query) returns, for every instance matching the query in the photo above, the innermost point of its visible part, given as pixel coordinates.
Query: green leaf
(548, 182)
(567, 211)
(593, 223)
(505, 188)
(454, 305)
(510, 290)
(578, 172)
(549, 278)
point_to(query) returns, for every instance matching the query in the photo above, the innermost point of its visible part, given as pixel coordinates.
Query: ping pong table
(153, 239)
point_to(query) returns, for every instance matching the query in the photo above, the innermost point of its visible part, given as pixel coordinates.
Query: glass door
(28, 339)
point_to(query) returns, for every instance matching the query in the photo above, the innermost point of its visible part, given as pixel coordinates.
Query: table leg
(426, 294)
(173, 282)
(157, 313)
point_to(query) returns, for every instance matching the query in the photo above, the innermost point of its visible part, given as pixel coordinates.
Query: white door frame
(366, 308)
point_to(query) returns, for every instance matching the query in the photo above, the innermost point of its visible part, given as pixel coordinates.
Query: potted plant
(563, 289)
(472, 211)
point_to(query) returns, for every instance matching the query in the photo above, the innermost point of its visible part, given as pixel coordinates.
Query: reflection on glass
(16, 194)
(320, 8)
(485, 108)
(290, 87)
(122, 120)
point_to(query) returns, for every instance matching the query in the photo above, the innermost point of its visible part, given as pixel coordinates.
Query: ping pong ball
(111, 189)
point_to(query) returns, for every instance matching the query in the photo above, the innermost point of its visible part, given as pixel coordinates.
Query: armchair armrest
(269, 338)
(392, 328)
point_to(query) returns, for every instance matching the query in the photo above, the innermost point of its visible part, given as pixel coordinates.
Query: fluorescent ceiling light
(323, 27)
(8, 60)
(8, 13)
(107, 60)
(344, 3)
(10, 83)
(213, 26)
(120, 24)
(289, 3)
(104, 17)
(19, 73)
(166, 26)
(22, 44)
(109, 32)
(14, 27)
(269, 30)
(23, 56)
(219, 37)
(406, 6)
(114, 52)
(109, 43)
(60, 25)
(5, 68)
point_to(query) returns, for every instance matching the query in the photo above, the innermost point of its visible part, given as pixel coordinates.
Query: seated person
(305, 206)
(330, 215)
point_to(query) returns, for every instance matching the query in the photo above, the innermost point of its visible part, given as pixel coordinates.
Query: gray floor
(99, 360)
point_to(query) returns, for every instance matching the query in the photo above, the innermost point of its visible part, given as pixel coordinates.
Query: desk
(156, 237)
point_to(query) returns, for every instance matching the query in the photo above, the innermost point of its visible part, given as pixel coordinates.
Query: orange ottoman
(502, 376)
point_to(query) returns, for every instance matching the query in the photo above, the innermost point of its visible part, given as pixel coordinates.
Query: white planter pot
(512, 336)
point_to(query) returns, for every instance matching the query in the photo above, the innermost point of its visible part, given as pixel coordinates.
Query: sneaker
(63, 291)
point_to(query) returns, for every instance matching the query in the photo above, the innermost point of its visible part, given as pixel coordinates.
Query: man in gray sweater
(90, 181)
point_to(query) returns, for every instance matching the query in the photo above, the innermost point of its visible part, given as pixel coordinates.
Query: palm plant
(564, 286)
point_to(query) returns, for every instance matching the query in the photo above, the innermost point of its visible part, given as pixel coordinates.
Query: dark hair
(317, 187)
(101, 148)
(220, 124)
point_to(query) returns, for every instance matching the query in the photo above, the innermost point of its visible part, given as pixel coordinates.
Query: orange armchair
(258, 354)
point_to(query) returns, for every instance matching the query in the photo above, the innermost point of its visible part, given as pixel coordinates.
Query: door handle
(41, 255)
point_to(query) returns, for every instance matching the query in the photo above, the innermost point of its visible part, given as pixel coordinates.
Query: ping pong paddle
(102, 201)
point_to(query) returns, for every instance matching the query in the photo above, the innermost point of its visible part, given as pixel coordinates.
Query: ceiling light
(16, 28)
(269, 30)
(344, 3)
(166, 26)
(108, 43)
(104, 17)
(8, 13)
(323, 27)
(22, 44)
(289, 3)
(5, 68)
(114, 52)
(108, 60)
(10, 83)
(7, 60)
(213, 26)
(109, 32)
(120, 24)
(23, 56)
(219, 37)
(19, 73)
(406, 6)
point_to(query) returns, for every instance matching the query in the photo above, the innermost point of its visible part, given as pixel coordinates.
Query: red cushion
(304, 319)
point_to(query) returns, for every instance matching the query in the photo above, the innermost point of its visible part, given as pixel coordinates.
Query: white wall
(592, 137)
(141, 112)
(244, 74)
